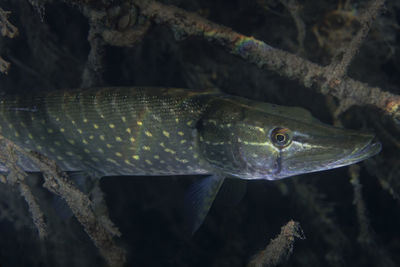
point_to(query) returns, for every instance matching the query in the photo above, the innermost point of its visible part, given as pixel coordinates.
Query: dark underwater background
(51, 53)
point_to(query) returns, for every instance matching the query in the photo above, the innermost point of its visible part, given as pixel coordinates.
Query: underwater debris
(280, 248)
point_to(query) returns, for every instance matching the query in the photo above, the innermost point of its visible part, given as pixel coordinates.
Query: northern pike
(169, 131)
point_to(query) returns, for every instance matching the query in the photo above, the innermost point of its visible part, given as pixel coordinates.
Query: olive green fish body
(167, 131)
(160, 131)
(115, 131)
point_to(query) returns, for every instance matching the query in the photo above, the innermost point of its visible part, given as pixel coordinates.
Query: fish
(150, 131)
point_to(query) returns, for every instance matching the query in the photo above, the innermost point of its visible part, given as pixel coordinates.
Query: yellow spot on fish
(86, 150)
(109, 145)
(96, 126)
(102, 138)
(146, 148)
(183, 141)
(181, 133)
(132, 139)
(39, 147)
(195, 155)
(182, 160)
(162, 144)
(162, 161)
(128, 130)
(189, 123)
(139, 123)
(100, 150)
(69, 153)
(57, 143)
(190, 148)
(260, 129)
(60, 158)
(165, 133)
(136, 157)
(118, 154)
(62, 130)
(85, 120)
(123, 118)
(10, 125)
(127, 162)
(57, 119)
(30, 136)
(148, 133)
(111, 160)
(73, 122)
(169, 151)
(91, 137)
(79, 131)
(72, 142)
(50, 130)
(157, 157)
(118, 139)
(95, 159)
(148, 162)
(16, 134)
(177, 120)
(112, 126)
(102, 116)
(84, 141)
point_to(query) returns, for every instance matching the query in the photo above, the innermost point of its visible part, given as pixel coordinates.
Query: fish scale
(115, 131)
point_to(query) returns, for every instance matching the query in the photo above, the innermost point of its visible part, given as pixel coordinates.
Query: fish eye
(280, 137)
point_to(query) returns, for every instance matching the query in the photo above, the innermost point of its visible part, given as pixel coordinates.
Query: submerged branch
(6, 30)
(16, 177)
(100, 230)
(309, 74)
(280, 248)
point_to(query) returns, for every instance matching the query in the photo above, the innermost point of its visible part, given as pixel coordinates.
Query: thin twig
(366, 236)
(338, 68)
(7, 30)
(280, 248)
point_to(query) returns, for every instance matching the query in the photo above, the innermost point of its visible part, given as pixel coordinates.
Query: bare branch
(280, 248)
(101, 230)
(286, 64)
(57, 182)
(16, 176)
(338, 68)
(6, 28)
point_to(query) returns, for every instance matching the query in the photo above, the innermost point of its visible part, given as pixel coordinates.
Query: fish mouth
(369, 149)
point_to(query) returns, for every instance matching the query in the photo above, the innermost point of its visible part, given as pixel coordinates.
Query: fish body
(167, 131)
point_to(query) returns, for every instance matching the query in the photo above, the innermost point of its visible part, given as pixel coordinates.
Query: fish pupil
(280, 138)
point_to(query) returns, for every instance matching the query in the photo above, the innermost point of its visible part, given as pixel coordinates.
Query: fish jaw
(336, 148)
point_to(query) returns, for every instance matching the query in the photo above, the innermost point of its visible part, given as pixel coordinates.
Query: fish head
(266, 141)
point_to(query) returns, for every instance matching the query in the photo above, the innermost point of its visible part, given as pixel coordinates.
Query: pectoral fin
(198, 200)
